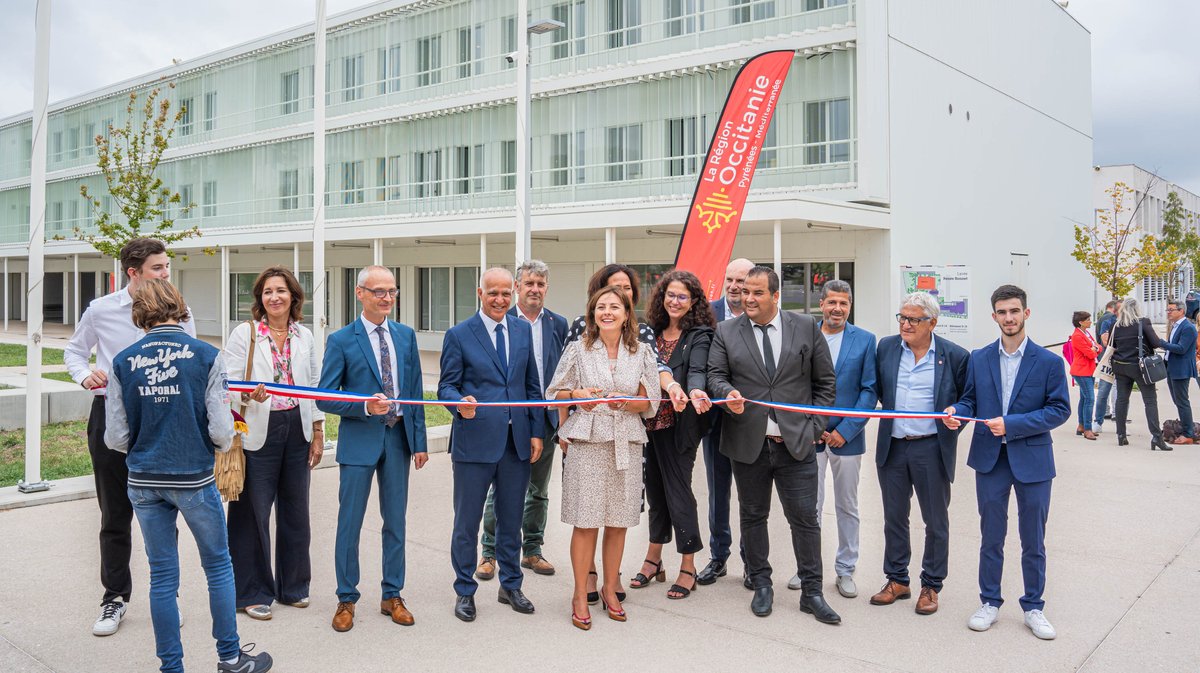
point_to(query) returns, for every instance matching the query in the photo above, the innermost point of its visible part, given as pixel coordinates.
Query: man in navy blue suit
(374, 355)
(1181, 367)
(842, 444)
(916, 372)
(549, 331)
(1021, 389)
(717, 467)
(489, 357)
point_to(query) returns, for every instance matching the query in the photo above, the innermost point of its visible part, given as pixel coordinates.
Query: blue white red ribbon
(323, 394)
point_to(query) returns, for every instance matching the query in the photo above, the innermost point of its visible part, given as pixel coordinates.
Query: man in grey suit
(771, 355)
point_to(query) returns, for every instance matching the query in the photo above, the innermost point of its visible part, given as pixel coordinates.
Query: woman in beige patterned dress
(602, 442)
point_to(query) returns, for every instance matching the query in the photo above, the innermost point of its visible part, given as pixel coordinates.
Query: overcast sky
(1145, 61)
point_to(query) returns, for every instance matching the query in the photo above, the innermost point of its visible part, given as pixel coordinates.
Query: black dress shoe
(815, 605)
(1122, 440)
(760, 605)
(464, 608)
(746, 580)
(516, 599)
(711, 572)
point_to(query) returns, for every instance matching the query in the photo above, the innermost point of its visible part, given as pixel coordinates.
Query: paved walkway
(1123, 547)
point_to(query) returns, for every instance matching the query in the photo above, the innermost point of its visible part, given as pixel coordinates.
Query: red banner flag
(716, 210)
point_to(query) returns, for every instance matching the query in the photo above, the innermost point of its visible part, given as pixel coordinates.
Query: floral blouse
(281, 364)
(665, 417)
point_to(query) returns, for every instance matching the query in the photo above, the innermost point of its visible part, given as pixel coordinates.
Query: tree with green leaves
(1179, 239)
(1115, 250)
(128, 158)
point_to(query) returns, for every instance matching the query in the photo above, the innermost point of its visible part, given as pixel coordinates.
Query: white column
(320, 320)
(524, 241)
(296, 258)
(7, 296)
(75, 302)
(483, 254)
(37, 241)
(118, 276)
(610, 245)
(66, 285)
(778, 246)
(224, 303)
(24, 295)
(377, 252)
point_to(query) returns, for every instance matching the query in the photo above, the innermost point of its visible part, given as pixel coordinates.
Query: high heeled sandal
(593, 597)
(683, 592)
(641, 581)
(615, 615)
(582, 623)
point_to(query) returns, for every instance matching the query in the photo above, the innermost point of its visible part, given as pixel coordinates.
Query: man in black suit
(773, 355)
(916, 372)
(716, 466)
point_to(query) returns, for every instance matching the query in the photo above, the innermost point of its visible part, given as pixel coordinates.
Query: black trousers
(669, 492)
(915, 466)
(1179, 394)
(797, 485)
(719, 472)
(276, 475)
(1128, 374)
(116, 512)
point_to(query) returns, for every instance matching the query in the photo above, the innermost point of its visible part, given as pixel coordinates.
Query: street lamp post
(521, 59)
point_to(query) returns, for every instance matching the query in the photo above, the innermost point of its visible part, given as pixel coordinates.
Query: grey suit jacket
(804, 374)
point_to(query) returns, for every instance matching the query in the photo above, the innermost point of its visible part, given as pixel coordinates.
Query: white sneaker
(984, 617)
(1041, 627)
(795, 583)
(111, 614)
(846, 586)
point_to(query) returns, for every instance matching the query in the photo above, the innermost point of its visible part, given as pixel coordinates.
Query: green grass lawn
(65, 453)
(13, 355)
(59, 376)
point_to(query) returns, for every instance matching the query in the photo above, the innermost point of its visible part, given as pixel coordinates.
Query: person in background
(285, 441)
(1105, 400)
(1128, 349)
(167, 412)
(1181, 367)
(107, 327)
(1083, 367)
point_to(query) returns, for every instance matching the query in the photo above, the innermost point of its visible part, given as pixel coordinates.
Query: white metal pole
(320, 320)
(523, 233)
(483, 254)
(76, 304)
(778, 246)
(610, 245)
(224, 303)
(66, 286)
(377, 252)
(7, 296)
(296, 258)
(37, 241)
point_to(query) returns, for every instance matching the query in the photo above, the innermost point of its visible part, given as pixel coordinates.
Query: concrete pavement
(1123, 548)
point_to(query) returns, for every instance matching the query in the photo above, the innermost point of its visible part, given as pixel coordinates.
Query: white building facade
(940, 132)
(1151, 191)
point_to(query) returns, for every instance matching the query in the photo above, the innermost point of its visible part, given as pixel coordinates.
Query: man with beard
(1020, 388)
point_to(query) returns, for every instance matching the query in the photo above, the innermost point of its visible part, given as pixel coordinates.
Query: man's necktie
(501, 352)
(385, 373)
(768, 359)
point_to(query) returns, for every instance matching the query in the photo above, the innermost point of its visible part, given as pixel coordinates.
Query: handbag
(1104, 368)
(229, 468)
(1152, 366)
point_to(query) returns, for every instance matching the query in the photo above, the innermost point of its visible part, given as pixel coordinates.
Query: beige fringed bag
(230, 467)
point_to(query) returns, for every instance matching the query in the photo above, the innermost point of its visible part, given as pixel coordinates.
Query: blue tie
(385, 374)
(500, 350)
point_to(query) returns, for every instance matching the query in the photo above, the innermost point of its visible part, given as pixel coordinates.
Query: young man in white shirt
(107, 327)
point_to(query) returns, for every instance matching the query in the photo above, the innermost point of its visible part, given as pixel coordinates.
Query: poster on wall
(951, 285)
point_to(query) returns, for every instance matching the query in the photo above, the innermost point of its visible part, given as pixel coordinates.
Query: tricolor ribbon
(323, 394)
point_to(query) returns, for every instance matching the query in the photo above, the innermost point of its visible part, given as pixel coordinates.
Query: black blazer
(949, 380)
(688, 363)
(1125, 341)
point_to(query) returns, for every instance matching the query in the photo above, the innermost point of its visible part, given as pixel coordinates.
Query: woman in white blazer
(285, 440)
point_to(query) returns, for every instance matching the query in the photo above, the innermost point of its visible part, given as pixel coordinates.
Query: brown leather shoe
(343, 619)
(890, 593)
(1088, 434)
(486, 569)
(395, 608)
(927, 601)
(1183, 440)
(538, 564)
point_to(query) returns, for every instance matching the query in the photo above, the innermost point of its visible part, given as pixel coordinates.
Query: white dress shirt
(374, 339)
(914, 390)
(536, 326)
(107, 326)
(775, 333)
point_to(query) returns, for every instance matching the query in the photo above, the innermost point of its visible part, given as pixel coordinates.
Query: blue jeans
(1103, 389)
(156, 510)
(1087, 397)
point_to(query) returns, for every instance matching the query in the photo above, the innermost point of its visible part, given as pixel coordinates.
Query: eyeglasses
(681, 298)
(913, 322)
(380, 294)
(1174, 309)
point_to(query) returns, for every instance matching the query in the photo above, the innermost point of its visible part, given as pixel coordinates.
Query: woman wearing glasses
(683, 321)
(285, 441)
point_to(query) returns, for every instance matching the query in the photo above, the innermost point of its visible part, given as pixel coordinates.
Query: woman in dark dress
(1127, 352)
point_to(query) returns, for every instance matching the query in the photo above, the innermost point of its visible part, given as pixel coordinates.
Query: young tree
(1115, 250)
(1180, 239)
(128, 158)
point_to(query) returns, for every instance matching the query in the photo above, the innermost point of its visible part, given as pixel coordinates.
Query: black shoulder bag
(1152, 365)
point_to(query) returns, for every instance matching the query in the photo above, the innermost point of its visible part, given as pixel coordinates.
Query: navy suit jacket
(350, 365)
(1039, 403)
(855, 369)
(719, 311)
(554, 336)
(470, 366)
(1182, 347)
(949, 379)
